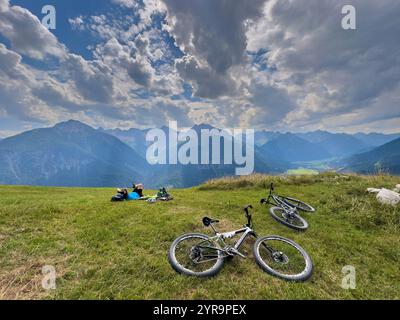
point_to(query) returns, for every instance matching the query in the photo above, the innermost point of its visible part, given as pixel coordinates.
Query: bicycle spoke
(294, 220)
(282, 257)
(196, 255)
(291, 218)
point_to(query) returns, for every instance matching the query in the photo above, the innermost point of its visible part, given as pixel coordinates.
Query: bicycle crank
(233, 252)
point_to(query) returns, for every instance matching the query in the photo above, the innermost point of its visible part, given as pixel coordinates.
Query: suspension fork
(268, 248)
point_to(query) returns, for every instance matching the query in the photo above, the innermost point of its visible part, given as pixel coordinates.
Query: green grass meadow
(104, 250)
(301, 171)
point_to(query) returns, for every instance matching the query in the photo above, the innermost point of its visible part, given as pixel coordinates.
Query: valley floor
(104, 250)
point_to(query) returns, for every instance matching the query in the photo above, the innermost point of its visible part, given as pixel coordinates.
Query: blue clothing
(132, 196)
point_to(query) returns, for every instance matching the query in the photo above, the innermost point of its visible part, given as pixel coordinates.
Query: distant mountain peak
(69, 154)
(72, 126)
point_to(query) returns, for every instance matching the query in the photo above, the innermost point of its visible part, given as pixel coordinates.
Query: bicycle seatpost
(212, 227)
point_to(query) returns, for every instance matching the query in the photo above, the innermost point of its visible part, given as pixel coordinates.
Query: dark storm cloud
(214, 33)
(344, 69)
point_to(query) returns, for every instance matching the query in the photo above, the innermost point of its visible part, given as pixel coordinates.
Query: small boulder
(388, 197)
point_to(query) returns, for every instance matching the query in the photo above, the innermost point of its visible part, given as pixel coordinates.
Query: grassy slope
(301, 171)
(105, 250)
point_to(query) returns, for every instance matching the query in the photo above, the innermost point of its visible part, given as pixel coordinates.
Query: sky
(264, 64)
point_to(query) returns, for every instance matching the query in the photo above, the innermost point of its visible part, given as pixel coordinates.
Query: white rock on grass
(397, 188)
(388, 197)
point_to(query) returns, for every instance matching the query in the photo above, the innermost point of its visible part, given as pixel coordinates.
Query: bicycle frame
(247, 231)
(278, 202)
(223, 247)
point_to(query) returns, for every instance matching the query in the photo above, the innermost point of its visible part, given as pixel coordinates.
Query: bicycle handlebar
(247, 214)
(266, 200)
(246, 208)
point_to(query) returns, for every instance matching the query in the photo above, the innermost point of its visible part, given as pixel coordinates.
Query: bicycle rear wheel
(293, 220)
(194, 254)
(298, 204)
(283, 258)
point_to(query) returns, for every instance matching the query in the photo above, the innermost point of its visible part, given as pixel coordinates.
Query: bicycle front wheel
(283, 258)
(290, 220)
(194, 254)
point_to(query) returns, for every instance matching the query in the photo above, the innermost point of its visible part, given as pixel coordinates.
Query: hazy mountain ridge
(68, 154)
(343, 144)
(74, 154)
(292, 148)
(376, 139)
(180, 175)
(385, 158)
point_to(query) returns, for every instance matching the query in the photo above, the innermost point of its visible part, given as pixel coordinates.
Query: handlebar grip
(246, 208)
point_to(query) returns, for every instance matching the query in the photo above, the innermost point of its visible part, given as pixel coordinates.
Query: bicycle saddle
(207, 221)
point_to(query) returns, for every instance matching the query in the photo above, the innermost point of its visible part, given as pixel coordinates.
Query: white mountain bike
(200, 255)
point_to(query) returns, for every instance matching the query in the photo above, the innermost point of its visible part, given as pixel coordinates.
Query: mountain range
(74, 154)
(69, 154)
(385, 158)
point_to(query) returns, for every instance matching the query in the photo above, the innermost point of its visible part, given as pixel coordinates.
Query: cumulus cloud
(128, 58)
(26, 34)
(331, 71)
(276, 64)
(29, 94)
(92, 79)
(206, 82)
(4, 4)
(213, 35)
(10, 64)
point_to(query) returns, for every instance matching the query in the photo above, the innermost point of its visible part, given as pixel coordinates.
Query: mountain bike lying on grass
(286, 210)
(200, 255)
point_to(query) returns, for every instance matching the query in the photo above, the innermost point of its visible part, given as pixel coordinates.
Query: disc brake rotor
(289, 216)
(195, 254)
(280, 257)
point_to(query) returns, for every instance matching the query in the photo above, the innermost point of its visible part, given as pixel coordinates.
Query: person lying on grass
(134, 195)
(137, 194)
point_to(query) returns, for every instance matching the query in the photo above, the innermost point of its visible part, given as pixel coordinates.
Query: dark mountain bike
(286, 210)
(200, 255)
